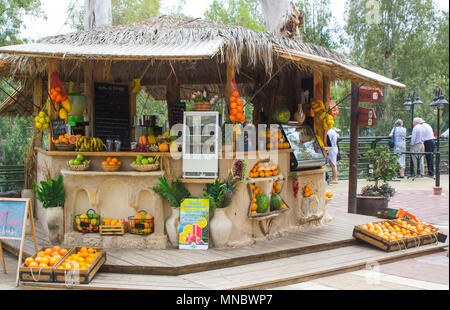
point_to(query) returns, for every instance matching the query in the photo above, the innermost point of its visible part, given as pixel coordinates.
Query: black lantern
(409, 102)
(439, 102)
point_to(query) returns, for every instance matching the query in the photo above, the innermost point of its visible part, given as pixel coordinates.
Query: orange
(41, 265)
(108, 159)
(33, 264)
(52, 261)
(114, 160)
(44, 260)
(83, 249)
(233, 99)
(57, 248)
(28, 260)
(91, 250)
(234, 112)
(54, 253)
(240, 102)
(240, 109)
(239, 116)
(233, 105)
(235, 94)
(232, 118)
(63, 252)
(38, 259)
(119, 163)
(243, 118)
(163, 147)
(104, 163)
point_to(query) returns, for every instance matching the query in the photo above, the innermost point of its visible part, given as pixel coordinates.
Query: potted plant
(220, 195)
(174, 194)
(384, 167)
(52, 195)
(203, 101)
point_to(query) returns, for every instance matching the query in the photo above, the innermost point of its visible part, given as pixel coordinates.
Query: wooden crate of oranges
(80, 265)
(388, 236)
(40, 267)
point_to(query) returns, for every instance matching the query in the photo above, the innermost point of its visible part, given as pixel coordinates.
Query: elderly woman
(400, 144)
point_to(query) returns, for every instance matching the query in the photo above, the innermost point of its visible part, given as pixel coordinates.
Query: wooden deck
(296, 256)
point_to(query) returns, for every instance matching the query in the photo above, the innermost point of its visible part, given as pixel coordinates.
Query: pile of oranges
(112, 162)
(255, 192)
(389, 231)
(47, 258)
(420, 228)
(276, 188)
(264, 170)
(236, 108)
(57, 95)
(81, 260)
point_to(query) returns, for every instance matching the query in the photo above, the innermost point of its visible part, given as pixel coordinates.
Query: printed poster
(12, 215)
(194, 224)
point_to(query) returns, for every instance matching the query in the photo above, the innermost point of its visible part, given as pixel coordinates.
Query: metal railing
(372, 142)
(11, 178)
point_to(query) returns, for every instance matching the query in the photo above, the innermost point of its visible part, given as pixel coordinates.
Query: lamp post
(438, 102)
(410, 103)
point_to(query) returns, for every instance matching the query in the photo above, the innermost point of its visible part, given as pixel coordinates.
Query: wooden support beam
(354, 136)
(133, 97)
(53, 65)
(173, 94)
(326, 102)
(231, 75)
(89, 93)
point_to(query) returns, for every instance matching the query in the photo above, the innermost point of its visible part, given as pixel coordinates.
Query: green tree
(11, 14)
(245, 13)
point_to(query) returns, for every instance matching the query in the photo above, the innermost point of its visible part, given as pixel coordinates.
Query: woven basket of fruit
(143, 164)
(88, 222)
(111, 165)
(65, 147)
(141, 223)
(145, 168)
(80, 167)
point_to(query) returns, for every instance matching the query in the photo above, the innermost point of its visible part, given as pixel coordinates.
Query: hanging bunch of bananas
(328, 122)
(317, 106)
(85, 144)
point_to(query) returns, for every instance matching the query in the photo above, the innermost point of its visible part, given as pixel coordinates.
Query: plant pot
(366, 205)
(202, 106)
(221, 227)
(55, 223)
(173, 227)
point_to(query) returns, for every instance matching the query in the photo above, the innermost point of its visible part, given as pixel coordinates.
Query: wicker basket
(108, 168)
(90, 224)
(145, 168)
(202, 106)
(65, 147)
(141, 226)
(79, 167)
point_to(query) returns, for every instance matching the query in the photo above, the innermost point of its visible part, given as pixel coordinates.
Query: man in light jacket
(417, 146)
(429, 143)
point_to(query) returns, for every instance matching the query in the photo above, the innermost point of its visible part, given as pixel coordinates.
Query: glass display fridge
(308, 154)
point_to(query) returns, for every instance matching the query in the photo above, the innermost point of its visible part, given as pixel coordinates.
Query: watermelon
(282, 115)
(262, 201)
(276, 202)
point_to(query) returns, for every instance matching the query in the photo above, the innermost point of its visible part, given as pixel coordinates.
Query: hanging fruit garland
(236, 108)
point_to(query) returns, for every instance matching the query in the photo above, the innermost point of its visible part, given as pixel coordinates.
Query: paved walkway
(425, 273)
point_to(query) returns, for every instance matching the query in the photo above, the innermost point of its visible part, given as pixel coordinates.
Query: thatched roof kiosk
(174, 55)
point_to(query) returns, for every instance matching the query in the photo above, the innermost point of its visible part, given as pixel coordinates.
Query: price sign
(58, 128)
(194, 224)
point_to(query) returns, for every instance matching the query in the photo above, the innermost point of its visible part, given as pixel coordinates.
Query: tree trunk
(97, 13)
(275, 12)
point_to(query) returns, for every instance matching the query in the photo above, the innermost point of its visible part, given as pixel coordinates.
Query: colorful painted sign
(12, 217)
(194, 224)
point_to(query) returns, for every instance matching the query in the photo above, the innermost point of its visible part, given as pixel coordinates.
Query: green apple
(151, 160)
(140, 157)
(80, 157)
(71, 162)
(145, 161)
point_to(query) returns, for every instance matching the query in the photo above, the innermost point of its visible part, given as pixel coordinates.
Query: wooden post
(133, 97)
(37, 134)
(326, 102)
(172, 95)
(53, 65)
(231, 75)
(354, 136)
(89, 94)
(2, 257)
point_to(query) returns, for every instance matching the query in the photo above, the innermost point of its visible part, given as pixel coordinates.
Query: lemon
(42, 114)
(42, 120)
(45, 126)
(39, 125)
(47, 119)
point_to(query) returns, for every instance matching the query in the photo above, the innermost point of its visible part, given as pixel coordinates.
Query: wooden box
(39, 274)
(382, 243)
(112, 230)
(80, 276)
(424, 239)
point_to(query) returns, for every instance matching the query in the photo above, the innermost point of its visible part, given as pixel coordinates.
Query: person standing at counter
(429, 144)
(417, 146)
(333, 137)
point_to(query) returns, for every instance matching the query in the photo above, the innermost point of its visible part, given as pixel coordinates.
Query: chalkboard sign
(58, 128)
(178, 110)
(12, 216)
(112, 112)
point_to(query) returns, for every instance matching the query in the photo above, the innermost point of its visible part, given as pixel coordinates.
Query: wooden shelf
(117, 173)
(104, 154)
(256, 180)
(197, 181)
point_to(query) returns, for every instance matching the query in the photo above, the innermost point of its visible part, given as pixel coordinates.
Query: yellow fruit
(67, 106)
(63, 114)
(42, 114)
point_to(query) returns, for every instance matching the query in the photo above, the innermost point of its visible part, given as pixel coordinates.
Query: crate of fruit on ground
(88, 222)
(40, 267)
(143, 164)
(141, 223)
(80, 265)
(113, 227)
(426, 233)
(387, 236)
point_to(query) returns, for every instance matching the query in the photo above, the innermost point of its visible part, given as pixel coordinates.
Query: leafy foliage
(174, 194)
(245, 13)
(374, 191)
(51, 193)
(385, 168)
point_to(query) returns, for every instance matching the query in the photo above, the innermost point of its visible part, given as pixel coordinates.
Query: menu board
(12, 217)
(112, 112)
(194, 224)
(58, 128)
(178, 110)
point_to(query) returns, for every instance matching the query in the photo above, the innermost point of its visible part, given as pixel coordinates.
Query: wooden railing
(11, 178)
(371, 142)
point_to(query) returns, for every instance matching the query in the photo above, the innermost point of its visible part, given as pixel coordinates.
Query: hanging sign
(58, 128)
(370, 94)
(13, 220)
(366, 117)
(194, 224)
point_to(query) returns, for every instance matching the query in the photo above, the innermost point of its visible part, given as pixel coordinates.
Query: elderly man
(429, 143)
(417, 146)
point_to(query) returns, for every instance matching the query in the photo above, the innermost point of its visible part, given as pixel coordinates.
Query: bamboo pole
(89, 94)
(53, 65)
